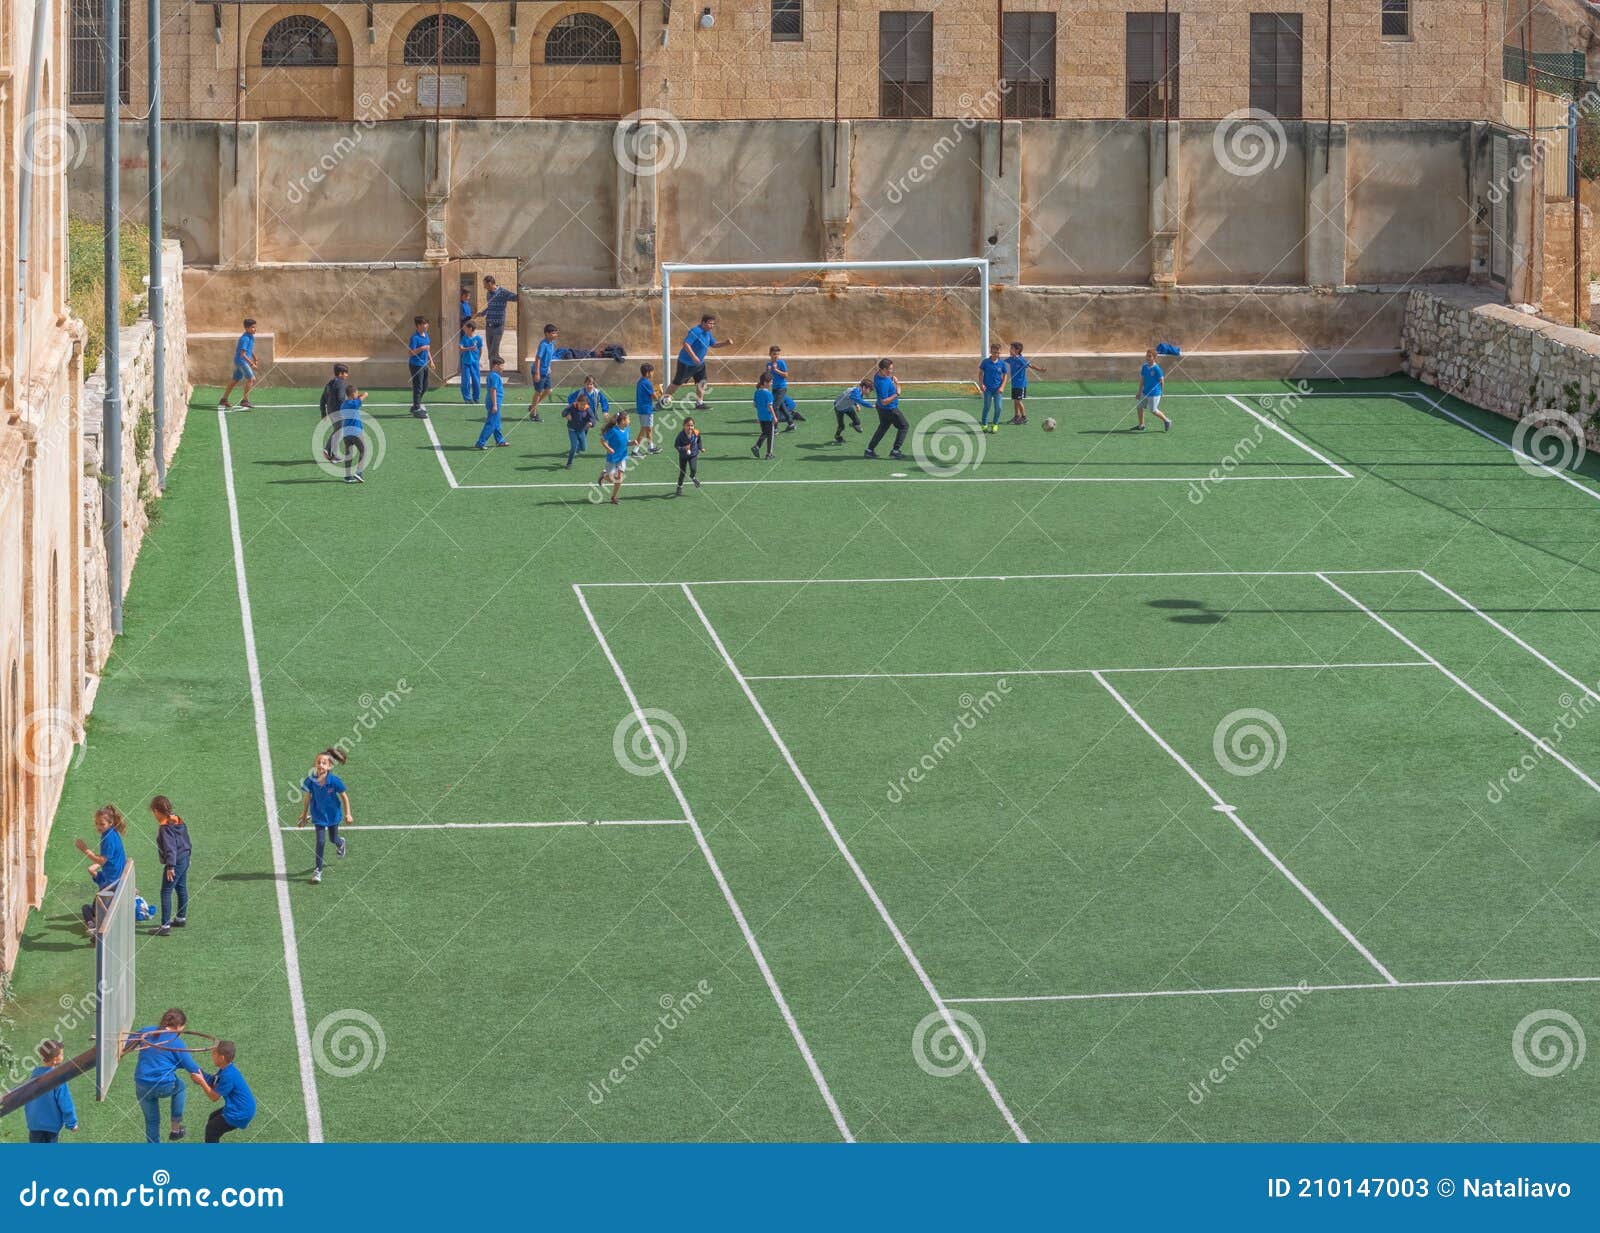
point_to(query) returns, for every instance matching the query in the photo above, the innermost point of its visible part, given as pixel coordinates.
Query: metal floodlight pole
(158, 283)
(111, 405)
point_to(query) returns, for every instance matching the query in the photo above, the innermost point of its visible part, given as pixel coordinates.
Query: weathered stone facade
(1447, 66)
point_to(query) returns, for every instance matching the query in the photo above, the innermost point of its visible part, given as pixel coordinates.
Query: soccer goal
(670, 336)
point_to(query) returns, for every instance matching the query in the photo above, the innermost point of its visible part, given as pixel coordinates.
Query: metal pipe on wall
(111, 404)
(158, 282)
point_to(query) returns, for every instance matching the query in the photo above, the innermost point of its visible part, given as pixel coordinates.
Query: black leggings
(766, 435)
(217, 1125)
(841, 416)
(419, 386)
(887, 418)
(354, 453)
(688, 466)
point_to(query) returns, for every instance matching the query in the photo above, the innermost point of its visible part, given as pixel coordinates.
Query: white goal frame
(669, 268)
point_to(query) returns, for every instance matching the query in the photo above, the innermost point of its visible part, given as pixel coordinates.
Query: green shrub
(86, 267)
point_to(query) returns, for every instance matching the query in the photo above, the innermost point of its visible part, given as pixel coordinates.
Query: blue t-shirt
(238, 1101)
(994, 373)
(764, 406)
(53, 1111)
(1019, 365)
(598, 402)
(495, 398)
(420, 359)
(888, 396)
(116, 859)
(326, 807)
(644, 396)
(466, 312)
(616, 439)
(350, 416)
(159, 1065)
(696, 343)
(780, 375)
(247, 346)
(543, 356)
(1150, 379)
(471, 351)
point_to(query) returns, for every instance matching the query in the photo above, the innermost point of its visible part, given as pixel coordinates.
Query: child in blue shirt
(494, 401)
(105, 866)
(327, 804)
(228, 1086)
(544, 356)
(352, 441)
(244, 367)
(580, 418)
(1020, 365)
(644, 408)
(992, 374)
(155, 1077)
(848, 406)
(1152, 380)
(782, 404)
(616, 466)
(764, 415)
(886, 388)
(471, 362)
(48, 1115)
(419, 358)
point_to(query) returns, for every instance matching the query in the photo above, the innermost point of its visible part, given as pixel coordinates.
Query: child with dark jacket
(174, 848)
(688, 445)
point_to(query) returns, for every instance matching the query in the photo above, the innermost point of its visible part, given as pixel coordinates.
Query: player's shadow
(1189, 611)
(259, 875)
(284, 462)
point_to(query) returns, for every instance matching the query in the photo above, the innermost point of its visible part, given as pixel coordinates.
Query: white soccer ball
(1049, 425)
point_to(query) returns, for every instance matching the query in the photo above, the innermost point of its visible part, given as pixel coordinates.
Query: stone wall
(1500, 358)
(1557, 301)
(140, 491)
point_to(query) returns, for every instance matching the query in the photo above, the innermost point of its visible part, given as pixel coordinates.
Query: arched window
(460, 43)
(583, 38)
(299, 42)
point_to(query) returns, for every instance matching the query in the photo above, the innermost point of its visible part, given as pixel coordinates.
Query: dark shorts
(541, 385)
(1019, 392)
(688, 374)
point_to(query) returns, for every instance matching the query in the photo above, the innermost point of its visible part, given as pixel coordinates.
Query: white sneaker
(316, 876)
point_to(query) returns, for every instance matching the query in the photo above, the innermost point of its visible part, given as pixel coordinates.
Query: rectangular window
(1396, 19)
(1276, 64)
(788, 21)
(1028, 65)
(88, 68)
(1152, 69)
(905, 65)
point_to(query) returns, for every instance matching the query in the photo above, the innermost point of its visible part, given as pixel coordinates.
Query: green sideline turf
(1066, 855)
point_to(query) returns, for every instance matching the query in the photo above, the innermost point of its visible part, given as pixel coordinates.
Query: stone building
(807, 59)
(42, 544)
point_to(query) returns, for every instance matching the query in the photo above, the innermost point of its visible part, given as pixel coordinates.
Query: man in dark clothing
(333, 396)
(495, 299)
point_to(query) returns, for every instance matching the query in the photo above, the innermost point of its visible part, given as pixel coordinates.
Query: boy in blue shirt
(48, 1115)
(887, 391)
(228, 1086)
(1151, 382)
(352, 444)
(244, 367)
(764, 415)
(644, 406)
(466, 311)
(1019, 366)
(697, 343)
(471, 362)
(782, 404)
(494, 399)
(992, 374)
(419, 358)
(327, 804)
(543, 358)
(848, 406)
(616, 466)
(155, 1078)
(580, 418)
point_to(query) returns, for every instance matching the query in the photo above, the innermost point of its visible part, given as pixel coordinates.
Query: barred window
(1396, 19)
(583, 38)
(299, 42)
(1152, 68)
(1028, 65)
(905, 65)
(88, 69)
(460, 42)
(1276, 64)
(788, 21)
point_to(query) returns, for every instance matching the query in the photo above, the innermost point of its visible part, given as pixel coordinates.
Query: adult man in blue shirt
(691, 365)
(887, 390)
(419, 358)
(543, 358)
(244, 367)
(495, 299)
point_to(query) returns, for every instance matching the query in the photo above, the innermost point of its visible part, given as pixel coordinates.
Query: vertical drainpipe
(158, 285)
(25, 193)
(111, 405)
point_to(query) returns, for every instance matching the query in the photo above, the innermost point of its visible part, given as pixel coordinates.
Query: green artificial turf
(1028, 836)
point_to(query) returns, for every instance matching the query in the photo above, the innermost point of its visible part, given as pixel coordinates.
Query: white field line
(1257, 989)
(1532, 650)
(716, 872)
(973, 1059)
(1289, 437)
(812, 582)
(498, 826)
(1233, 815)
(912, 676)
(438, 452)
(1489, 436)
(1538, 741)
(291, 948)
(911, 477)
